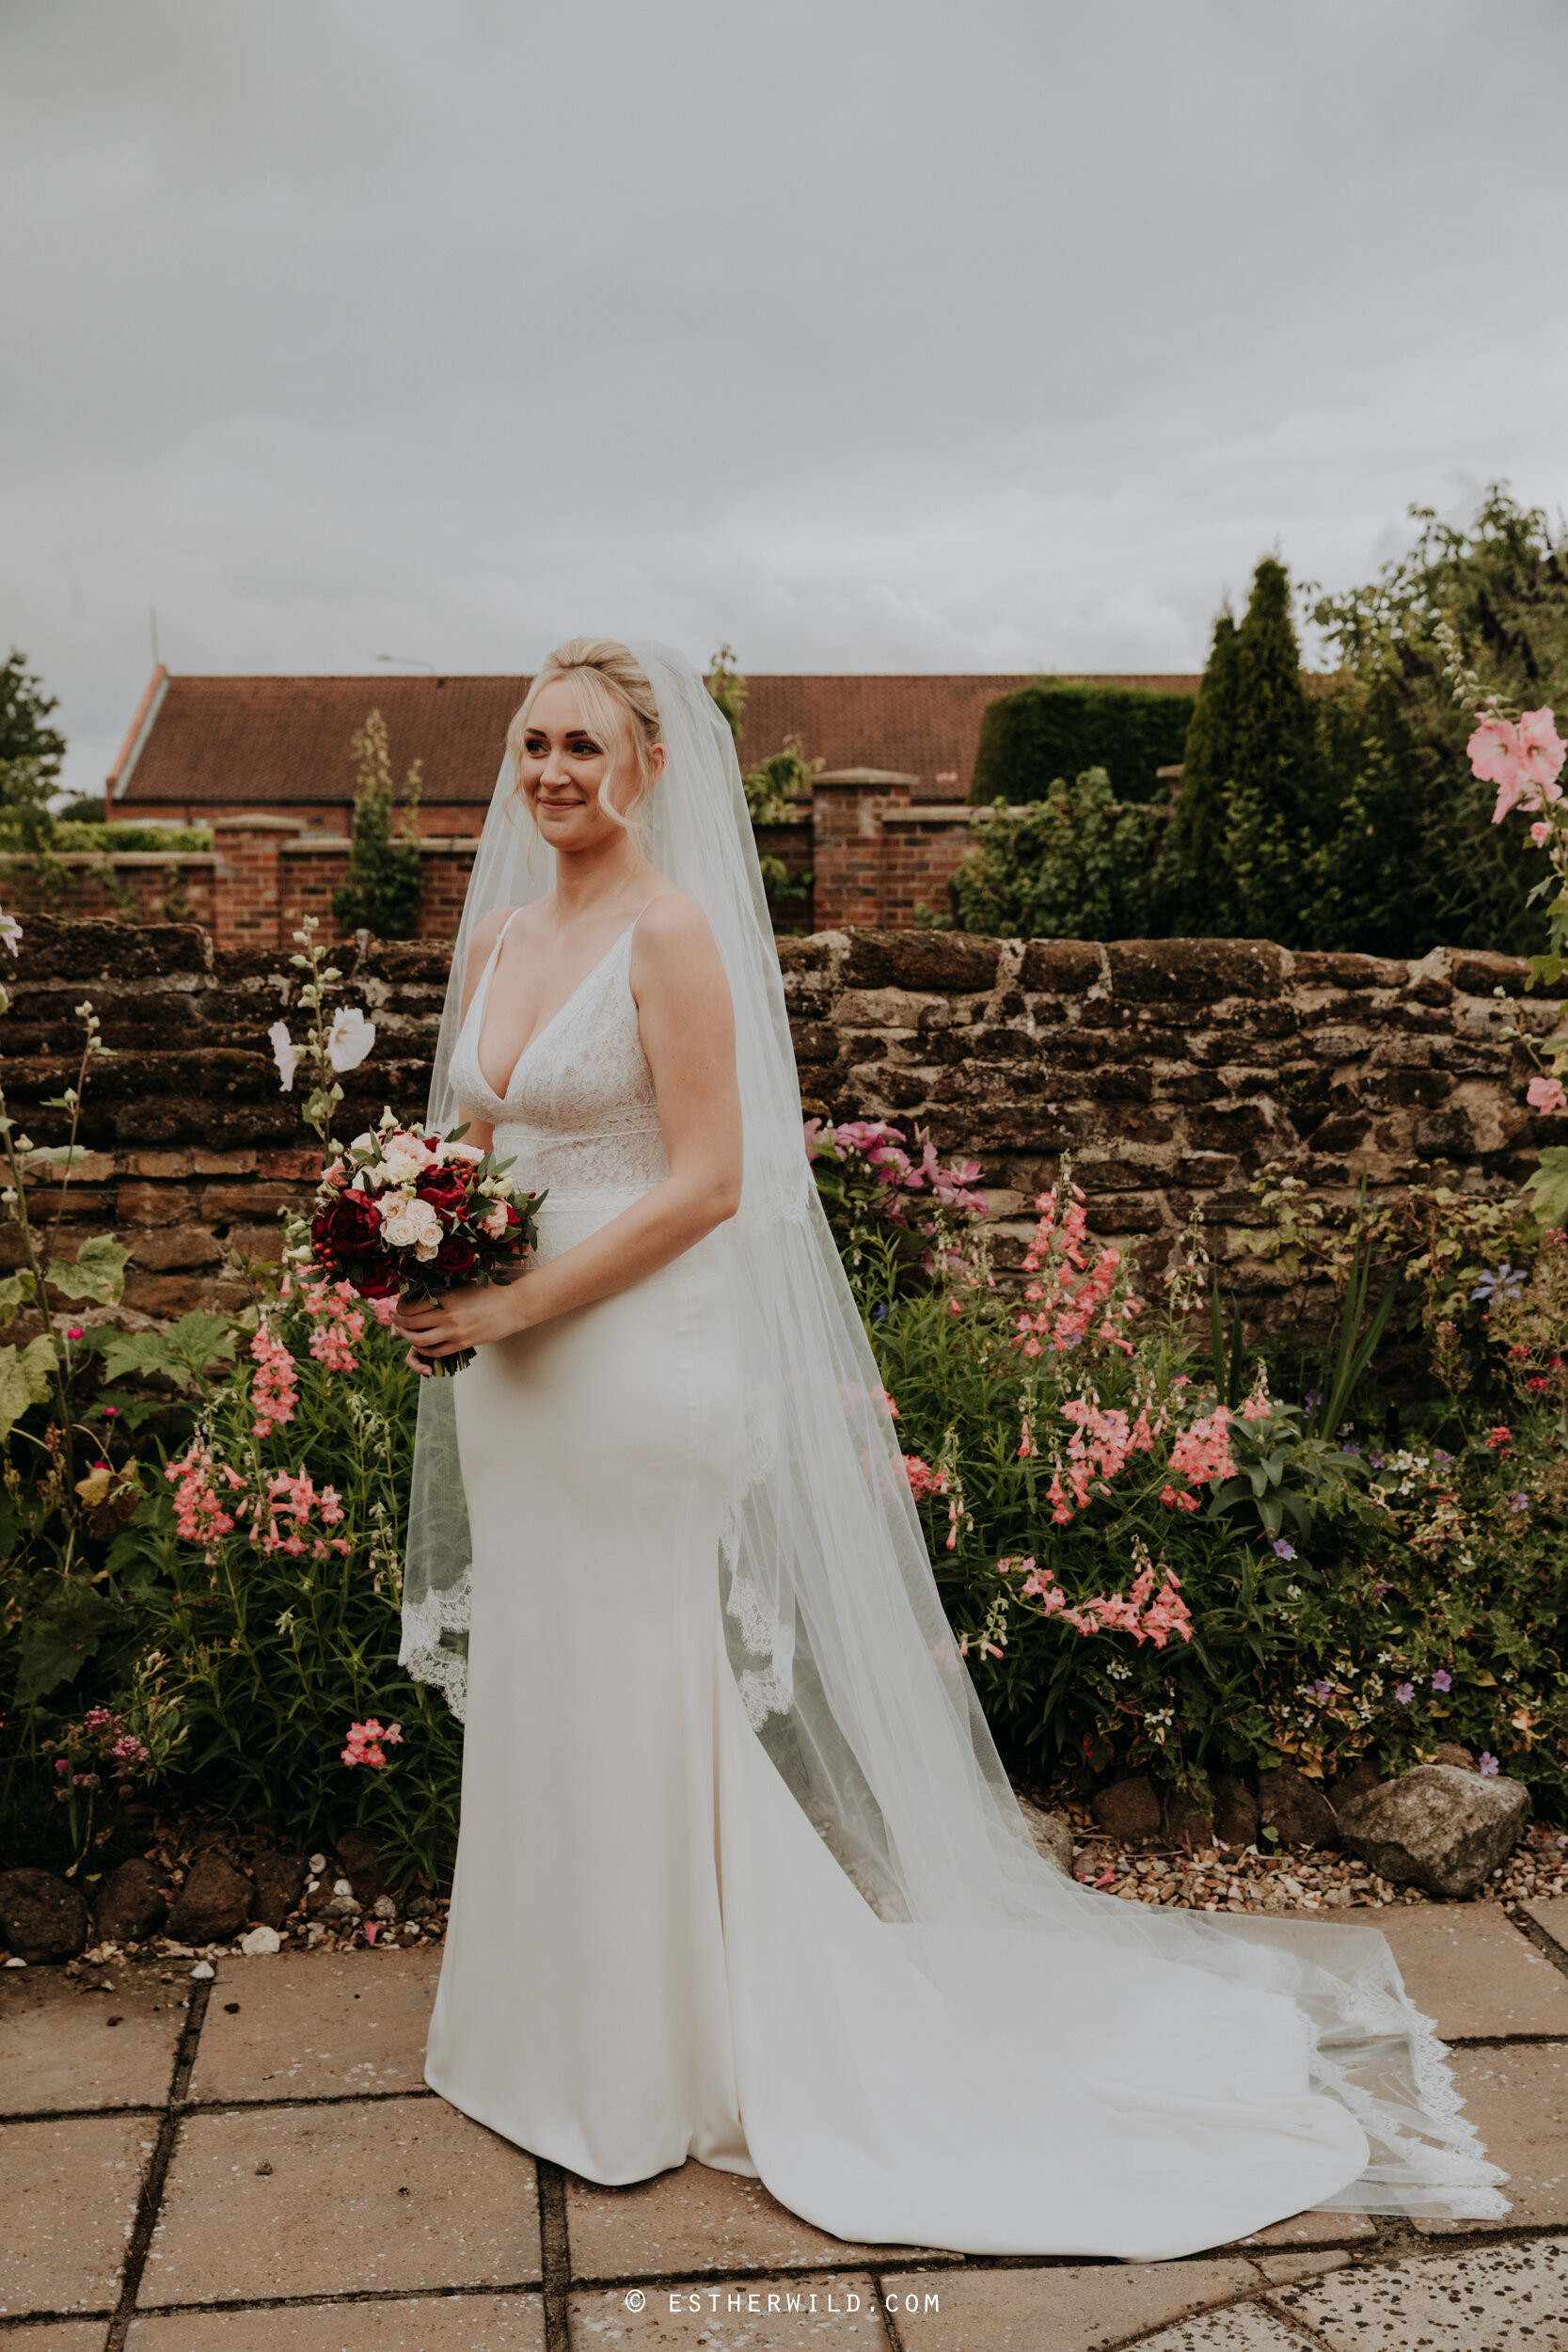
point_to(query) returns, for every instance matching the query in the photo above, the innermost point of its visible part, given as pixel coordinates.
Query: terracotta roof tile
(260, 741)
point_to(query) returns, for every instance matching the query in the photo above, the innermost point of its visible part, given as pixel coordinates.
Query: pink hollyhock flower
(1542, 749)
(1541, 833)
(1546, 1094)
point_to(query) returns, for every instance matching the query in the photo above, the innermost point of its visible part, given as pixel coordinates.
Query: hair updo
(617, 703)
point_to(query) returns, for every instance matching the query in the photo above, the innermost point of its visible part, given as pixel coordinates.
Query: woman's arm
(687, 1030)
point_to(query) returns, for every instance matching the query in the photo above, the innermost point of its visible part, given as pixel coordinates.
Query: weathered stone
(1236, 1814)
(951, 961)
(1128, 1808)
(1195, 971)
(280, 1883)
(1354, 1781)
(1051, 1831)
(1439, 1827)
(130, 1904)
(214, 1901)
(362, 1861)
(41, 1917)
(1295, 1807)
(1450, 1751)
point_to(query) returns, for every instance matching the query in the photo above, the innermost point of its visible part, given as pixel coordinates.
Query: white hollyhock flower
(350, 1038)
(10, 933)
(283, 1054)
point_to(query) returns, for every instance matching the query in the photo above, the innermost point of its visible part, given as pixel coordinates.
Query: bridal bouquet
(402, 1213)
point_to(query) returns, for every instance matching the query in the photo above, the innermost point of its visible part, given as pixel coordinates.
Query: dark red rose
(379, 1279)
(445, 1189)
(457, 1256)
(346, 1227)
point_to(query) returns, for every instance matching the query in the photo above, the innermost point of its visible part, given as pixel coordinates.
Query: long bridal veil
(841, 1650)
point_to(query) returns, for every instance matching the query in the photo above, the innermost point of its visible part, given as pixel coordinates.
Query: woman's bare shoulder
(672, 922)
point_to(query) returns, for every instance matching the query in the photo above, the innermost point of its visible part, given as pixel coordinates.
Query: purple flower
(1381, 1587)
(1405, 1692)
(1442, 1679)
(1320, 1691)
(1518, 1502)
(1377, 1460)
(1441, 1458)
(1348, 1448)
(1489, 1764)
(1284, 1550)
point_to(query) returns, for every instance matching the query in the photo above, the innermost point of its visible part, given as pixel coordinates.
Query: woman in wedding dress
(741, 1877)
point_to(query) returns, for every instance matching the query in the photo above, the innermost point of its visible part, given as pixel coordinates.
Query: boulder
(361, 1866)
(214, 1901)
(1439, 1826)
(1295, 1807)
(1354, 1781)
(280, 1883)
(1128, 1808)
(1051, 1831)
(1449, 1751)
(43, 1916)
(1236, 1816)
(1183, 1821)
(130, 1904)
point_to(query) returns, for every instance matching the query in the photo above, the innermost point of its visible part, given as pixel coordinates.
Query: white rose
(402, 1158)
(414, 1225)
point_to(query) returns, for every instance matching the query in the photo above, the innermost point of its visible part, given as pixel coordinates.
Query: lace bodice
(578, 1114)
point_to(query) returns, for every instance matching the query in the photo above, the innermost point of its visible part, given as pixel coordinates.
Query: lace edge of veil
(425, 1656)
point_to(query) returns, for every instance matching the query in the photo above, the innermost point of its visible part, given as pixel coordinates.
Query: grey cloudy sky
(868, 334)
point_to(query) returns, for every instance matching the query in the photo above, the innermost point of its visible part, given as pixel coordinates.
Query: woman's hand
(465, 1318)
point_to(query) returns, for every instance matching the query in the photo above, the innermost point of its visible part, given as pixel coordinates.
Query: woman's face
(563, 764)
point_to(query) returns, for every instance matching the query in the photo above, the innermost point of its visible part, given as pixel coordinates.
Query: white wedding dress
(652, 1955)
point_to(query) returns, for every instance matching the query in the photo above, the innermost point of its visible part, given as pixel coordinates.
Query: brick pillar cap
(257, 823)
(862, 776)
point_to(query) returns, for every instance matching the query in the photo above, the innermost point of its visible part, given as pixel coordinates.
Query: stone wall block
(952, 963)
(152, 1204)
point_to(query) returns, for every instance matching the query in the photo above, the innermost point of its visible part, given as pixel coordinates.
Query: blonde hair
(617, 701)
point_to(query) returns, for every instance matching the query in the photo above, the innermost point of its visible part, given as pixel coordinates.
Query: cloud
(863, 333)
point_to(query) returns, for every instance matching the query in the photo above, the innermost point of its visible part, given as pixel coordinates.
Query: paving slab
(1552, 1917)
(743, 2315)
(1311, 2230)
(316, 2026)
(448, 2323)
(1283, 2270)
(1079, 2308)
(68, 2192)
(1252, 2328)
(62, 2047)
(57, 2335)
(1518, 2102)
(1495, 2300)
(694, 2219)
(397, 2194)
(1471, 1969)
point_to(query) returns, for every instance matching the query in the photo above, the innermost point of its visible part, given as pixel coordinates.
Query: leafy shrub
(1044, 731)
(1079, 866)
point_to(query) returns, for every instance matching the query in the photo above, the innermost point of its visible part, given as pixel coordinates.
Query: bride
(741, 1877)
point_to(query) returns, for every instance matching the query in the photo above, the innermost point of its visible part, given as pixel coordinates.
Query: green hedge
(1045, 731)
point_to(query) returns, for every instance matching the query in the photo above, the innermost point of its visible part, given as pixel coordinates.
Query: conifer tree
(1207, 766)
(381, 890)
(1273, 745)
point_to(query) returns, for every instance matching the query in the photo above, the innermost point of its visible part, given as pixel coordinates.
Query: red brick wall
(866, 855)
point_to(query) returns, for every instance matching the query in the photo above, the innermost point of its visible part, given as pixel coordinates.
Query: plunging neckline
(482, 1002)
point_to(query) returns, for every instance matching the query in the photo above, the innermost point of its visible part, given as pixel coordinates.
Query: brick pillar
(248, 897)
(847, 850)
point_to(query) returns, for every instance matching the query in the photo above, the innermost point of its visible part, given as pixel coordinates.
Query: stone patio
(252, 2161)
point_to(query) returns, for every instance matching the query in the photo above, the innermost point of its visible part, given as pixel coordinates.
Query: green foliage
(75, 834)
(1032, 737)
(775, 789)
(25, 732)
(726, 683)
(1079, 865)
(381, 890)
(1411, 858)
